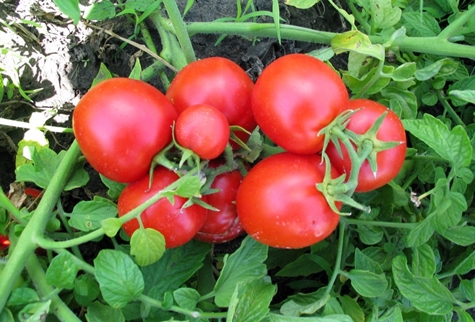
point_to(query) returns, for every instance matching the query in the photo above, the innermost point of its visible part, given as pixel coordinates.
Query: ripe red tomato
(279, 205)
(218, 82)
(223, 225)
(120, 124)
(294, 98)
(389, 161)
(177, 225)
(4, 242)
(202, 129)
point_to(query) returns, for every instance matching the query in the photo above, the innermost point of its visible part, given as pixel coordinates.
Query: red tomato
(279, 205)
(389, 161)
(204, 130)
(218, 82)
(177, 225)
(120, 124)
(4, 242)
(294, 98)
(223, 225)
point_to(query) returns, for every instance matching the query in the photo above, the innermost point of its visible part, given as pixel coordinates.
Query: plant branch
(455, 26)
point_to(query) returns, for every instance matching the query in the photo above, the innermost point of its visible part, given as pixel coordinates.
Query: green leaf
(100, 11)
(465, 95)
(111, 226)
(402, 102)
(70, 8)
(356, 41)
(367, 283)
(35, 311)
(383, 14)
(301, 4)
(119, 277)
(147, 245)
(425, 27)
(45, 163)
(420, 234)
(62, 271)
(136, 72)
(187, 297)
(423, 261)
(87, 215)
(139, 5)
(466, 265)
(366, 263)
(370, 235)
(246, 263)
(115, 188)
(175, 267)
(442, 67)
(86, 289)
(452, 145)
(448, 212)
(464, 84)
(352, 308)
(250, 300)
(188, 186)
(309, 303)
(100, 312)
(102, 75)
(272, 317)
(426, 294)
(21, 296)
(463, 236)
(393, 314)
(404, 72)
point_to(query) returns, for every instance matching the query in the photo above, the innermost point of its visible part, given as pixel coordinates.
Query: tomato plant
(222, 225)
(177, 224)
(218, 82)
(389, 162)
(279, 205)
(120, 124)
(294, 98)
(202, 129)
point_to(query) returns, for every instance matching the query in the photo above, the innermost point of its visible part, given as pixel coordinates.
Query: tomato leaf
(250, 300)
(466, 265)
(111, 226)
(100, 312)
(70, 8)
(187, 297)
(100, 11)
(87, 215)
(136, 72)
(308, 303)
(301, 4)
(86, 289)
(423, 261)
(115, 188)
(119, 277)
(420, 24)
(452, 145)
(356, 41)
(102, 75)
(175, 267)
(62, 271)
(246, 263)
(147, 245)
(45, 162)
(367, 283)
(462, 235)
(426, 294)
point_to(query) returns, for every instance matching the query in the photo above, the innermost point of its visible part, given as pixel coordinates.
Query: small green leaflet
(308, 303)
(246, 263)
(70, 8)
(465, 95)
(147, 245)
(100, 312)
(86, 289)
(426, 294)
(356, 41)
(62, 271)
(301, 4)
(87, 215)
(100, 11)
(45, 163)
(367, 283)
(119, 277)
(452, 145)
(187, 297)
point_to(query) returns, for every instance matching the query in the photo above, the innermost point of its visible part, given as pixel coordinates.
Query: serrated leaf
(246, 263)
(119, 277)
(175, 267)
(45, 163)
(420, 24)
(100, 11)
(100, 312)
(251, 300)
(87, 215)
(426, 294)
(62, 271)
(383, 14)
(147, 245)
(452, 145)
(367, 283)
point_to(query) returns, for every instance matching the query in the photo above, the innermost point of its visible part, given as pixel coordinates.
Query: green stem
(26, 243)
(455, 26)
(147, 38)
(7, 204)
(449, 109)
(180, 29)
(427, 45)
(339, 255)
(38, 277)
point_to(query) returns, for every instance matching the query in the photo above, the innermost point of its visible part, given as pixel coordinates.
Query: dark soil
(64, 59)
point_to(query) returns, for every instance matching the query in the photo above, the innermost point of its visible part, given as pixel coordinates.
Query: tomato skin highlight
(389, 161)
(120, 124)
(279, 205)
(204, 130)
(223, 225)
(294, 98)
(177, 225)
(218, 82)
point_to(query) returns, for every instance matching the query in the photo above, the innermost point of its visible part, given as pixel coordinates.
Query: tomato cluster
(122, 124)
